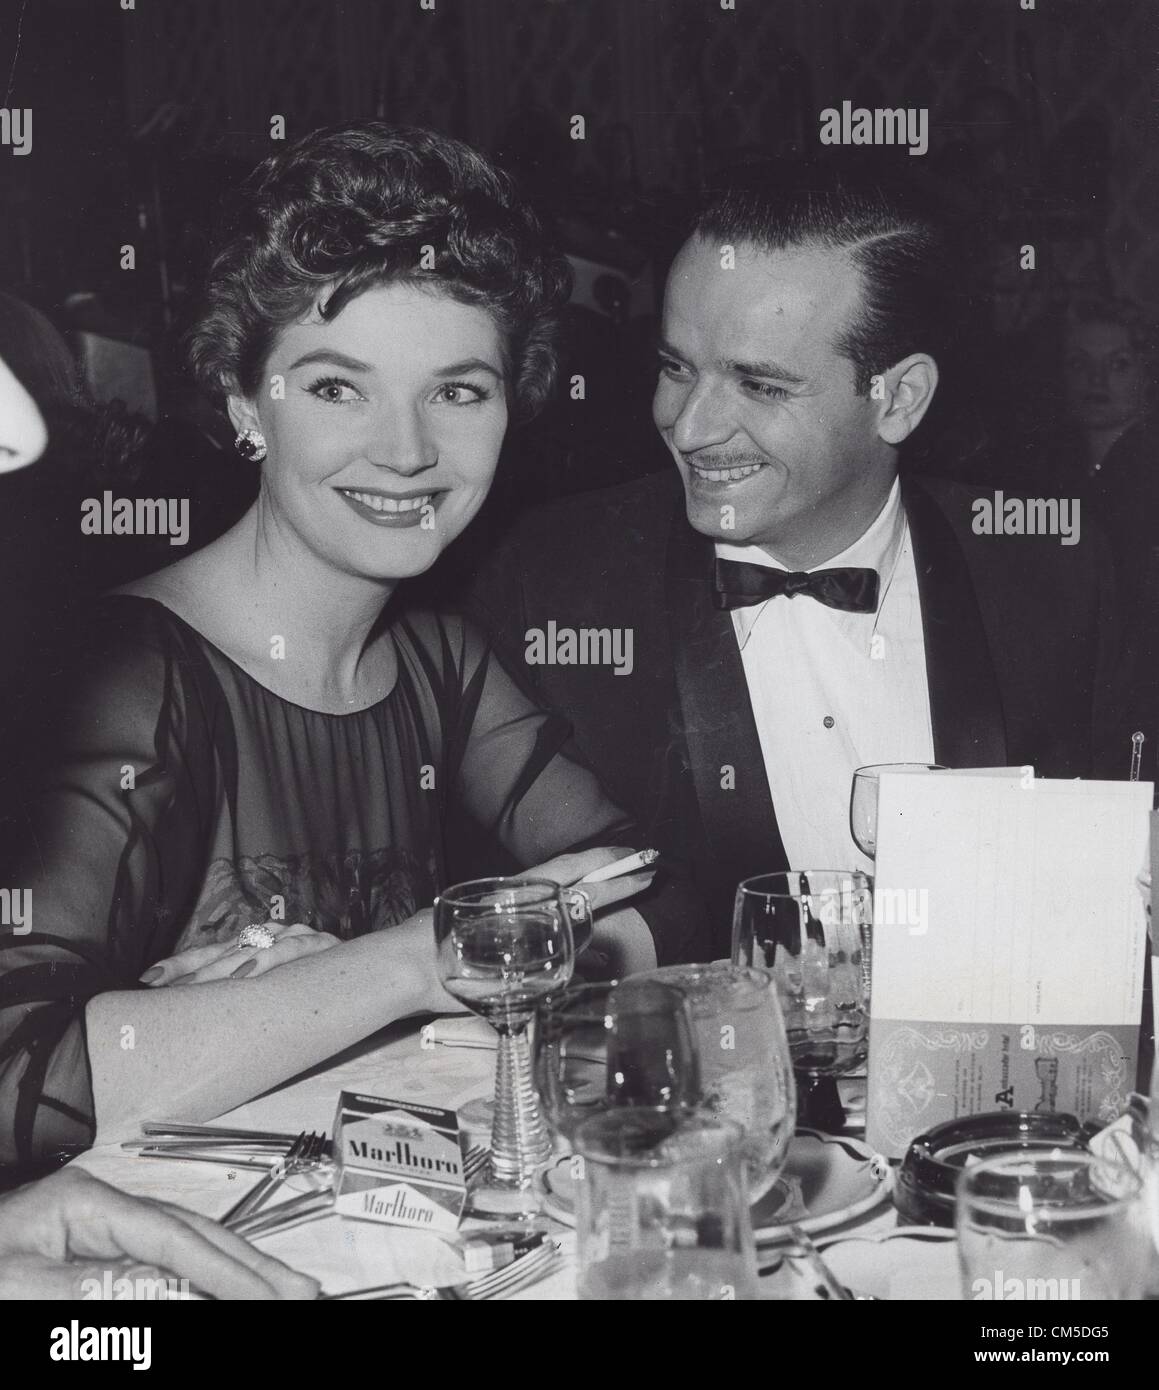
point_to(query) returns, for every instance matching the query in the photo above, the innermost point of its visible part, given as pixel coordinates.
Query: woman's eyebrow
(469, 364)
(330, 358)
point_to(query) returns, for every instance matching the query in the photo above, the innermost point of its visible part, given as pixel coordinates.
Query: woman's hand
(414, 940)
(225, 959)
(59, 1238)
(568, 869)
(620, 942)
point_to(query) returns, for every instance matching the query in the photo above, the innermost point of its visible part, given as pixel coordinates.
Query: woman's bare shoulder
(186, 587)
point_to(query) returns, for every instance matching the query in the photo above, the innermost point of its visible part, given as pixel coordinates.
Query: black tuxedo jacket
(1021, 640)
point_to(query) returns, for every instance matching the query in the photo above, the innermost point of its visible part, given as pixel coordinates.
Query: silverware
(305, 1152)
(230, 1158)
(500, 1283)
(828, 1282)
(309, 1206)
(473, 1161)
(177, 1129)
(212, 1144)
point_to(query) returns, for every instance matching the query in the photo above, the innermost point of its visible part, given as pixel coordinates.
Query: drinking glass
(1055, 1224)
(600, 1046)
(863, 801)
(810, 929)
(504, 944)
(746, 1075)
(663, 1210)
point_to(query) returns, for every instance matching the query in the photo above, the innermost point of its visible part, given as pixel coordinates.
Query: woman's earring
(251, 444)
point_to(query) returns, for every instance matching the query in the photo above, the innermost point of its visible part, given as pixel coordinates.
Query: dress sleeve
(514, 771)
(99, 851)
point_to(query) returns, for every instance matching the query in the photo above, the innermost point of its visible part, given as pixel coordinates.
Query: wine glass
(810, 929)
(601, 1046)
(745, 1070)
(503, 945)
(863, 801)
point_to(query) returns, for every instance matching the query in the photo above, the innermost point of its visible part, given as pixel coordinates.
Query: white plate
(910, 1262)
(827, 1180)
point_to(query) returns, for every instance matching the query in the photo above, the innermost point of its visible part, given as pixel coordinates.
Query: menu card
(1008, 948)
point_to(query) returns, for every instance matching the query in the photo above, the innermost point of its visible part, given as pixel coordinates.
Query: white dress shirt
(833, 691)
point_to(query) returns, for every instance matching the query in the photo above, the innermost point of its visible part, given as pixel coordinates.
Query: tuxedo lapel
(739, 823)
(965, 706)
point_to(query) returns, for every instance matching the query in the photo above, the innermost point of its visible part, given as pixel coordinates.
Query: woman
(253, 740)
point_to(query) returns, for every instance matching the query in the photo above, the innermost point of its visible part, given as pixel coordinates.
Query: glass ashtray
(927, 1182)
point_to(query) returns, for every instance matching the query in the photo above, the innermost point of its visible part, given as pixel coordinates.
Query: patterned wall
(668, 88)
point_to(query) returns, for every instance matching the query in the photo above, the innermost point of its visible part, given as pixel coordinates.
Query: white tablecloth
(349, 1254)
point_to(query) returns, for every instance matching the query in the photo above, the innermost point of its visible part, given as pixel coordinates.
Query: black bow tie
(738, 584)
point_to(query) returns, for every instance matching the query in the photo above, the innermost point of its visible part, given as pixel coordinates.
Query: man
(801, 337)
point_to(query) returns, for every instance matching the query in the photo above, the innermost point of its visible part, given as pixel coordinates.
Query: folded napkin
(346, 1255)
(459, 1031)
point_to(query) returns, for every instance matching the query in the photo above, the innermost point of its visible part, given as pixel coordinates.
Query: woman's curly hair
(368, 203)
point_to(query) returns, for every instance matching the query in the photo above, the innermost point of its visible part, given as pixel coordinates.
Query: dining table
(407, 1062)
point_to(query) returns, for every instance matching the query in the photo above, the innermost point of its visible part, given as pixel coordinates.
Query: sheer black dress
(184, 800)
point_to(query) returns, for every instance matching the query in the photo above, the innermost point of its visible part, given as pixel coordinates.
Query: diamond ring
(255, 937)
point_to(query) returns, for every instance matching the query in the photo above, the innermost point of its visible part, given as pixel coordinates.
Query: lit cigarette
(628, 865)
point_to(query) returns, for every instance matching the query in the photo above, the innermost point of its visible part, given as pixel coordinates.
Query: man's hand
(225, 959)
(69, 1228)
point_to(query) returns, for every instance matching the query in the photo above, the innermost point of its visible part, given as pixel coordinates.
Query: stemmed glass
(598, 1047)
(810, 929)
(863, 801)
(745, 1069)
(503, 945)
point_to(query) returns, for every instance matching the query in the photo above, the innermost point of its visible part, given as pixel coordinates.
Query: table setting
(735, 1130)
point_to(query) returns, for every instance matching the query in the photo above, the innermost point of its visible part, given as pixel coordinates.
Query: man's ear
(909, 389)
(242, 414)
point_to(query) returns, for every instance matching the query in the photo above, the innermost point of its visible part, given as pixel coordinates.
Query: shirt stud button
(828, 721)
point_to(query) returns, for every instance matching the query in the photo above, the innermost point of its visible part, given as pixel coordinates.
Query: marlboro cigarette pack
(398, 1163)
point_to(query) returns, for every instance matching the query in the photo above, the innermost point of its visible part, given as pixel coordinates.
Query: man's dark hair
(893, 235)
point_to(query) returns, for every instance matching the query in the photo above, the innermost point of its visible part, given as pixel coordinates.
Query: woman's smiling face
(386, 440)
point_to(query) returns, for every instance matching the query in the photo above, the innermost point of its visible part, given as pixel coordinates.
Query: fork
(828, 1285)
(308, 1206)
(312, 1205)
(304, 1152)
(500, 1283)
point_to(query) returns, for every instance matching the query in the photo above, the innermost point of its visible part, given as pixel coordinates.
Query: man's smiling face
(759, 409)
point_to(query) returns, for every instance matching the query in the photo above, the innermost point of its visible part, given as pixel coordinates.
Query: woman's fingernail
(244, 969)
(150, 975)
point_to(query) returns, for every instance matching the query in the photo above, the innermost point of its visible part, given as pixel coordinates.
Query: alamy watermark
(1011, 1289)
(16, 910)
(138, 1287)
(1028, 516)
(77, 1343)
(859, 125)
(136, 516)
(16, 129)
(890, 907)
(585, 646)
